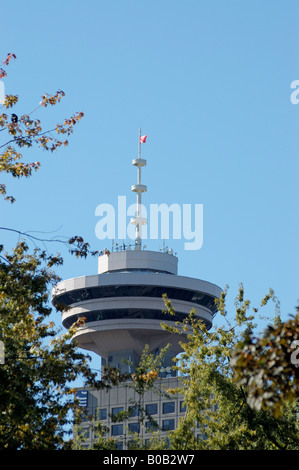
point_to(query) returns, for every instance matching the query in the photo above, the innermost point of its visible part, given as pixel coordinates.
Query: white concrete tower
(123, 305)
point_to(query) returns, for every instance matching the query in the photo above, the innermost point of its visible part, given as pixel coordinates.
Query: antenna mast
(139, 188)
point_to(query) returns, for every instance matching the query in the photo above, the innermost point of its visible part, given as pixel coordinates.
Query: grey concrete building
(101, 406)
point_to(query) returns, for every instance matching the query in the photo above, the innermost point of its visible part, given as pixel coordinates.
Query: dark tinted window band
(130, 313)
(102, 292)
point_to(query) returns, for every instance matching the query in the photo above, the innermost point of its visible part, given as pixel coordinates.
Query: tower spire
(139, 188)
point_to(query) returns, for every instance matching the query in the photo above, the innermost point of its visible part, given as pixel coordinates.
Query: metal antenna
(138, 189)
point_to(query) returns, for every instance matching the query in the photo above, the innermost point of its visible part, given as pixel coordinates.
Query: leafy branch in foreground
(24, 132)
(77, 245)
(269, 366)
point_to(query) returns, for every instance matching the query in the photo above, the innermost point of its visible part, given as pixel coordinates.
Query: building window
(151, 409)
(151, 426)
(168, 425)
(182, 407)
(147, 443)
(168, 407)
(119, 445)
(117, 410)
(101, 413)
(117, 429)
(133, 410)
(134, 427)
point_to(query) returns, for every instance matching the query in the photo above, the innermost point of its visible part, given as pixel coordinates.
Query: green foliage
(36, 400)
(269, 366)
(219, 413)
(217, 403)
(37, 404)
(103, 443)
(143, 379)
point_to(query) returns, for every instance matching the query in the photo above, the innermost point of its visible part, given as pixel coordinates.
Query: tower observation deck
(122, 304)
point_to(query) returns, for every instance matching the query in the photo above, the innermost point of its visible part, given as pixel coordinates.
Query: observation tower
(122, 304)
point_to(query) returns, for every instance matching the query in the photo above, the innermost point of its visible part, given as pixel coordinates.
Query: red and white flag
(143, 139)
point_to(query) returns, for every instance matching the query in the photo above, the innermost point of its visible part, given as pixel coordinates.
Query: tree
(219, 415)
(36, 398)
(24, 132)
(144, 378)
(217, 404)
(37, 403)
(269, 366)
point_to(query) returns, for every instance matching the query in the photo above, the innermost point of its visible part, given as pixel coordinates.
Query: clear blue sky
(209, 83)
